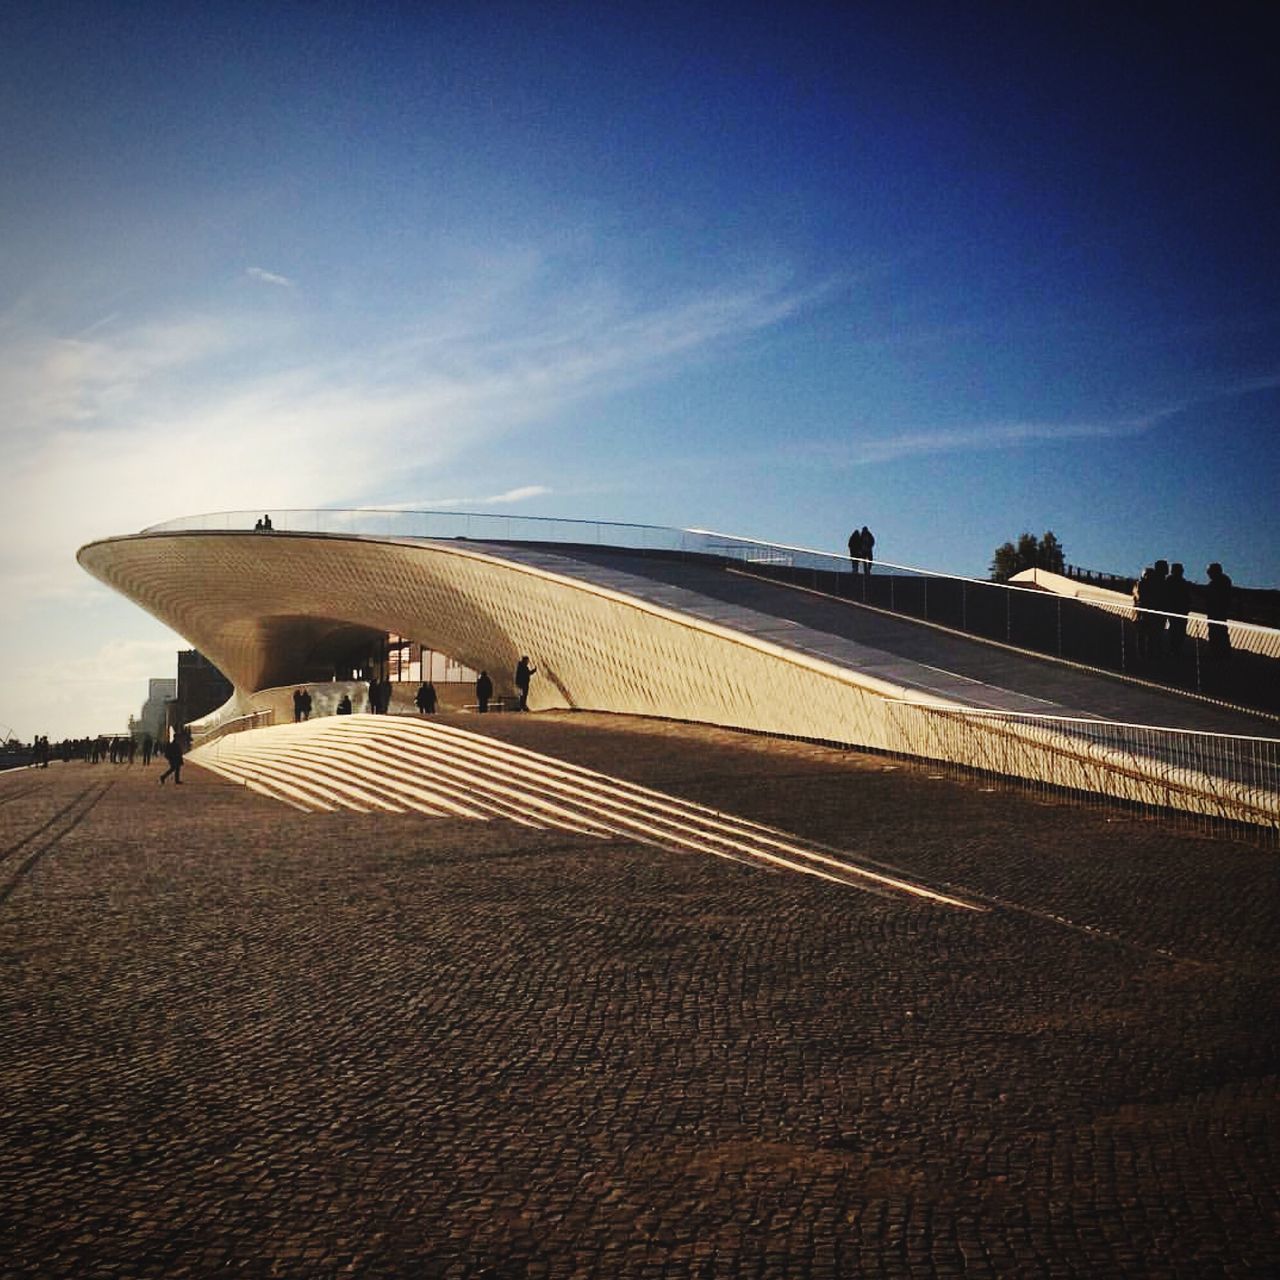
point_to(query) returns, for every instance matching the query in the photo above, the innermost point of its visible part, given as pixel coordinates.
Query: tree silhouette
(1028, 553)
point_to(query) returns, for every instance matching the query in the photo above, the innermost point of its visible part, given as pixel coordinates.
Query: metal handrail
(418, 522)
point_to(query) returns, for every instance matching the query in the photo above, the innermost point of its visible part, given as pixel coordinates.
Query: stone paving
(238, 1039)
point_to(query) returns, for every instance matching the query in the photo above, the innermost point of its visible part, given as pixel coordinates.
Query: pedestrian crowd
(1162, 601)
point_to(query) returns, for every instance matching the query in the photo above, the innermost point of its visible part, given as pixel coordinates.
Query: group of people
(1162, 598)
(523, 675)
(264, 525)
(379, 696)
(426, 699)
(861, 546)
(117, 749)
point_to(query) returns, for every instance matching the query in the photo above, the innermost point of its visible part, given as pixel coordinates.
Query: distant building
(151, 719)
(201, 688)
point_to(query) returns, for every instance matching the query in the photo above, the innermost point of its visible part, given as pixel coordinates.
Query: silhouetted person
(855, 550)
(147, 748)
(1144, 599)
(173, 753)
(1177, 601)
(1218, 610)
(484, 691)
(374, 693)
(384, 696)
(133, 749)
(344, 705)
(266, 524)
(426, 698)
(306, 704)
(1160, 601)
(523, 672)
(257, 525)
(297, 705)
(868, 546)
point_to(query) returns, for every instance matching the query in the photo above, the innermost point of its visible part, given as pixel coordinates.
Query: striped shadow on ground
(396, 765)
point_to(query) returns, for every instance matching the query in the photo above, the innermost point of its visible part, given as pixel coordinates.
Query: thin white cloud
(1263, 382)
(126, 425)
(984, 436)
(521, 494)
(269, 277)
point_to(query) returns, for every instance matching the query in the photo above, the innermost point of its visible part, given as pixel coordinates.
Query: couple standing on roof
(861, 544)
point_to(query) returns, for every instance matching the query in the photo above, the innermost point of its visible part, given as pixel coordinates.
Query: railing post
(1008, 615)
(1059, 626)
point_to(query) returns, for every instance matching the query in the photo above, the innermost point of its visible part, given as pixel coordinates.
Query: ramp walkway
(923, 660)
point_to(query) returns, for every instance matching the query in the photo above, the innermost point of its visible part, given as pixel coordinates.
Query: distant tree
(1050, 554)
(1028, 553)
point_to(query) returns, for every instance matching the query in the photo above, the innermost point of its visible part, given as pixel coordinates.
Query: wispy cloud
(522, 494)
(989, 435)
(129, 423)
(862, 449)
(269, 277)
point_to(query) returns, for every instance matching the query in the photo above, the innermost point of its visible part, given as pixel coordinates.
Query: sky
(951, 271)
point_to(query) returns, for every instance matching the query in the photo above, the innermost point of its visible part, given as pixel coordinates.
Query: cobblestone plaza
(239, 1039)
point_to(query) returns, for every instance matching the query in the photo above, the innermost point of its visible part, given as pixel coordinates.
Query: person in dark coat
(147, 748)
(375, 692)
(484, 691)
(297, 705)
(1218, 610)
(1144, 600)
(426, 698)
(855, 550)
(344, 705)
(306, 704)
(523, 672)
(868, 545)
(173, 753)
(1177, 601)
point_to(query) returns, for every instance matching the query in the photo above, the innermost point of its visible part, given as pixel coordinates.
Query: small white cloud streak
(993, 435)
(269, 277)
(521, 494)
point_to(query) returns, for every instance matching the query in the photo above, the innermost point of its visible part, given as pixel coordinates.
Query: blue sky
(954, 271)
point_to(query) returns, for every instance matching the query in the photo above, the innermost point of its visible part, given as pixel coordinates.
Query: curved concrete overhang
(271, 609)
(267, 610)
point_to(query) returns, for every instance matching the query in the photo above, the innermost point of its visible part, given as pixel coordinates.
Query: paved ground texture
(236, 1039)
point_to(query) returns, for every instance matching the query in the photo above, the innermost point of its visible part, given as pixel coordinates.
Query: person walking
(484, 691)
(173, 753)
(1218, 610)
(1144, 600)
(426, 698)
(868, 546)
(523, 673)
(1177, 600)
